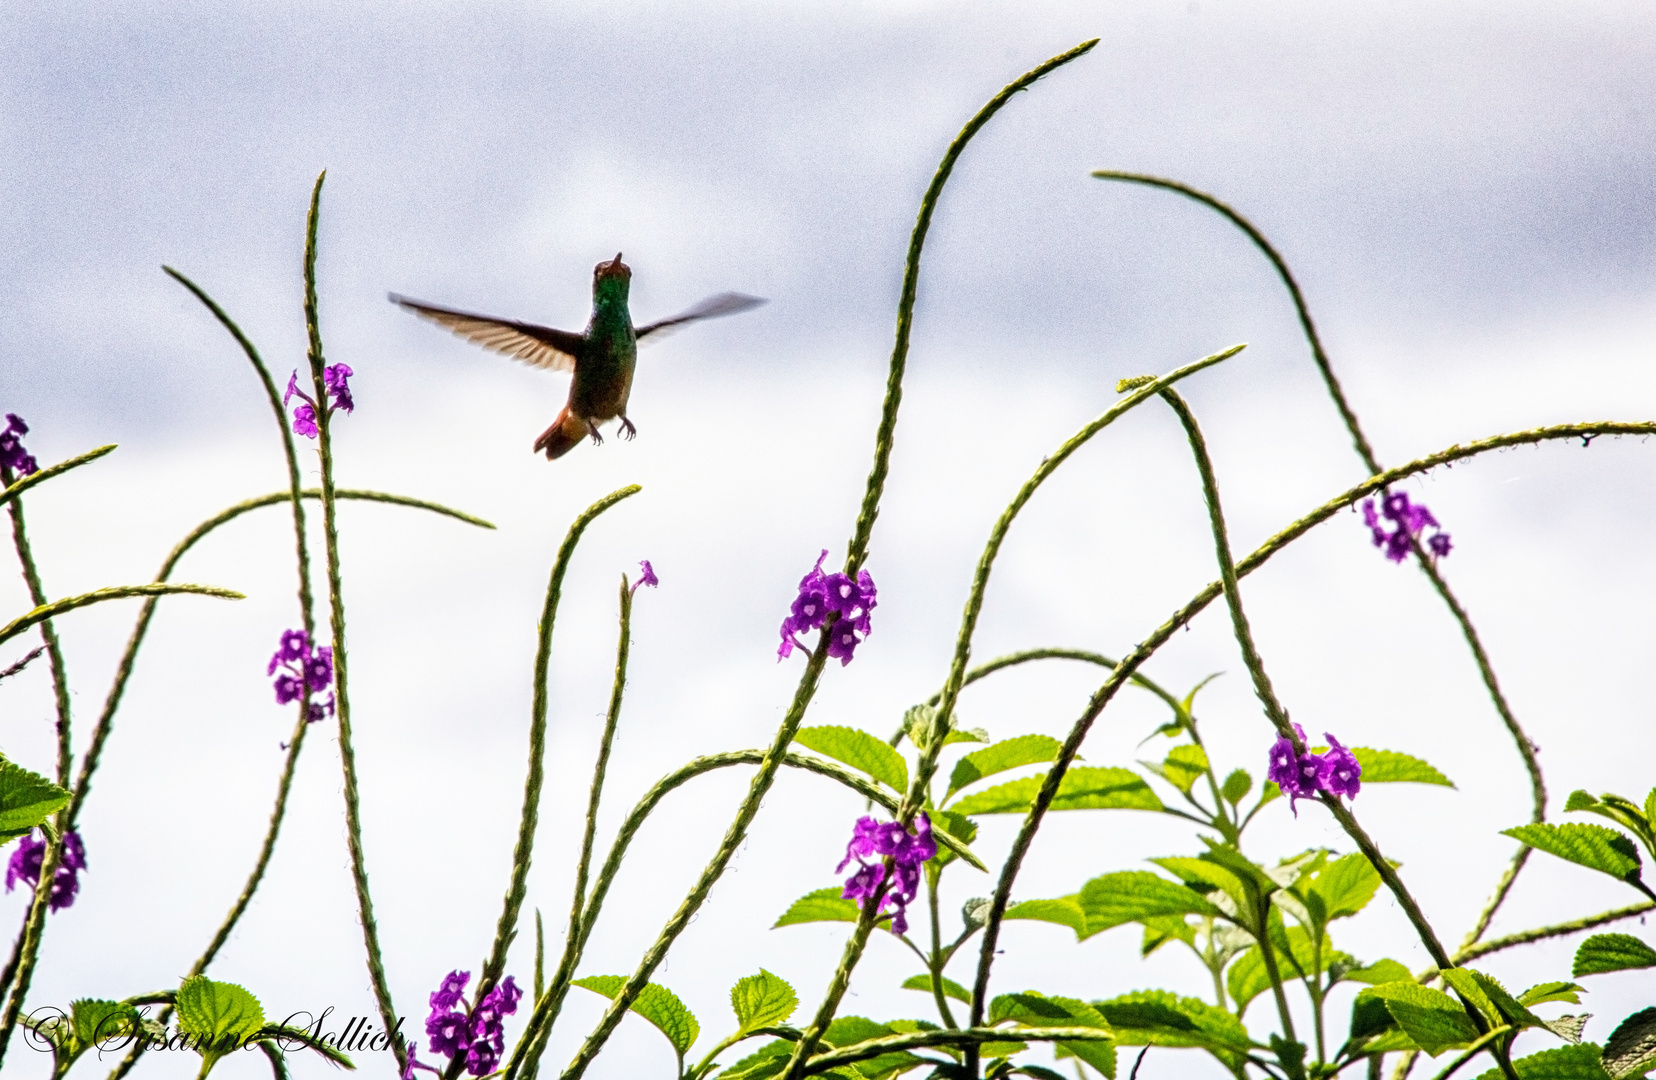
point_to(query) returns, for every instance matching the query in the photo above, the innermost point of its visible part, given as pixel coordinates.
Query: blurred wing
(541, 346)
(714, 306)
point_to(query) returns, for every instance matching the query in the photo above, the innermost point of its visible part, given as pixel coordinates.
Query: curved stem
(54, 651)
(1472, 952)
(1428, 566)
(117, 592)
(33, 928)
(964, 1037)
(11, 489)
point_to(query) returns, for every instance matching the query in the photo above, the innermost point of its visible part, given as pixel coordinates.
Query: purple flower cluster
(305, 671)
(12, 454)
(1407, 520)
(30, 855)
(821, 595)
(338, 392)
(888, 839)
(1301, 776)
(479, 1034)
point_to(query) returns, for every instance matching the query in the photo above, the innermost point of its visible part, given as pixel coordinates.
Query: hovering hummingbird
(602, 358)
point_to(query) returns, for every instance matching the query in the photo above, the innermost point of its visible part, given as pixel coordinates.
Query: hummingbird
(602, 357)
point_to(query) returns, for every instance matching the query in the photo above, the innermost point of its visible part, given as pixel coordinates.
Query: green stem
(118, 592)
(934, 963)
(11, 489)
(841, 982)
(1428, 565)
(33, 928)
(54, 651)
(1472, 952)
(965, 1037)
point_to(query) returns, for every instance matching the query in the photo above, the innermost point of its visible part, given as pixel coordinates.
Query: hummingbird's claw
(592, 429)
(627, 429)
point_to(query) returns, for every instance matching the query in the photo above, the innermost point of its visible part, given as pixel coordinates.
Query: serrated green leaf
(1579, 1062)
(655, 1003)
(766, 1061)
(1579, 800)
(1158, 1018)
(1081, 789)
(762, 1000)
(1390, 767)
(847, 1030)
(1034, 1009)
(1160, 929)
(1631, 1048)
(1130, 895)
(1623, 812)
(1370, 1017)
(1593, 846)
(1433, 1019)
(1006, 754)
(820, 905)
(959, 735)
(1225, 889)
(1542, 993)
(1064, 910)
(100, 1022)
(860, 750)
(26, 799)
(1236, 786)
(1603, 953)
(1490, 997)
(218, 1016)
(1345, 886)
(1185, 764)
(1568, 1028)
(950, 987)
(1381, 971)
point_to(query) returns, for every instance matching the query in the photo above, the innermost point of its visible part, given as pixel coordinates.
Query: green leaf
(860, 750)
(959, 826)
(1485, 992)
(1236, 786)
(1541, 993)
(1592, 846)
(1381, 971)
(1130, 895)
(1631, 1048)
(1390, 767)
(1370, 1017)
(766, 1061)
(1081, 789)
(1433, 1019)
(956, 735)
(1037, 1010)
(762, 1000)
(1065, 911)
(950, 987)
(1612, 952)
(657, 1004)
(1623, 812)
(820, 905)
(219, 1017)
(98, 1022)
(1160, 929)
(1345, 886)
(1185, 764)
(1579, 1062)
(1004, 755)
(1158, 1018)
(26, 799)
(847, 1030)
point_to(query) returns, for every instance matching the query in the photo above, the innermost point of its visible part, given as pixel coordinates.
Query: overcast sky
(1463, 189)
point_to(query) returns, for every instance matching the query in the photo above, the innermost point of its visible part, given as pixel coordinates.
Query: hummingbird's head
(609, 281)
(615, 268)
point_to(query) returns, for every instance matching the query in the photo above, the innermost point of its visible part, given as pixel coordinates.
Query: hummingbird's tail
(564, 435)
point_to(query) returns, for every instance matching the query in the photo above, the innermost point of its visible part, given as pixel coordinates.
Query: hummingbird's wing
(728, 303)
(541, 346)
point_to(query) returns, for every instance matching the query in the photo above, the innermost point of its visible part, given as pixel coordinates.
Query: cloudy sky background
(1464, 191)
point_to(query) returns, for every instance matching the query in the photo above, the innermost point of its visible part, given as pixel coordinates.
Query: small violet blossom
(30, 855)
(1407, 520)
(338, 392)
(12, 454)
(823, 594)
(305, 671)
(648, 578)
(907, 852)
(478, 1034)
(1301, 776)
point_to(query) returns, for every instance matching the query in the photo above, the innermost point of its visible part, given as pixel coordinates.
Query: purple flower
(12, 454)
(30, 856)
(302, 672)
(479, 1034)
(1341, 774)
(821, 595)
(413, 1062)
(648, 578)
(1407, 520)
(907, 852)
(337, 390)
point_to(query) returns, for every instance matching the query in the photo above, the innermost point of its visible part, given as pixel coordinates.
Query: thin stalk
(1279, 716)
(117, 592)
(1267, 953)
(11, 489)
(965, 1037)
(1026, 655)
(1486, 670)
(336, 617)
(54, 651)
(1472, 952)
(841, 982)
(934, 963)
(533, 783)
(32, 930)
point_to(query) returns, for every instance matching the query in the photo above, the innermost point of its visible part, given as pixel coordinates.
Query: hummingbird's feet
(592, 429)
(627, 429)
